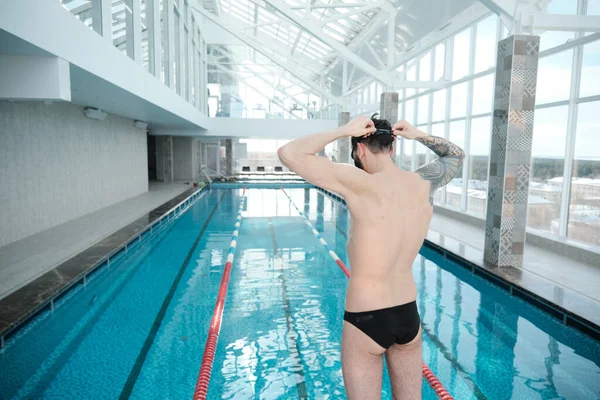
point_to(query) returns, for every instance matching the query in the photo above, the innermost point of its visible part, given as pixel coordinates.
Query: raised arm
(442, 170)
(299, 156)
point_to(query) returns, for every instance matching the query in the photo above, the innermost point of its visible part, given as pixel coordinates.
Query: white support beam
(169, 17)
(133, 18)
(398, 84)
(154, 44)
(296, 41)
(361, 38)
(503, 8)
(371, 6)
(331, 5)
(313, 26)
(571, 23)
(391, 39)
(345, 78)
(375, 55)
(259, 46)
(106, 19)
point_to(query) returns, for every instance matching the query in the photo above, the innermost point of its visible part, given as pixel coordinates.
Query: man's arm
(299, 156)
(442, 170)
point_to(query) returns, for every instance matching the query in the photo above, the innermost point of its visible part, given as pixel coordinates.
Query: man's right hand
(359, 126)
(406, 130)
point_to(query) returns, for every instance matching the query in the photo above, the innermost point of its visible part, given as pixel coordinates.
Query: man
(390, 210)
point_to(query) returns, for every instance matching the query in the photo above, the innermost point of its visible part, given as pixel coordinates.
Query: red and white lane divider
(433, 381)
(215, 324)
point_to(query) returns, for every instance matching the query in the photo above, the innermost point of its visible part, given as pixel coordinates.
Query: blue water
(138, 328)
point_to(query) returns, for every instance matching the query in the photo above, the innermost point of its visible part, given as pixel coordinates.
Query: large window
(554, 77)
(462, 52)
(458, 107)
(547, 166)
(486, 44)
(479, 155)
(584, 210)
(483, 94)
(454, 189)
(439, 106)
(440, 61)
(590, 72)
(423, 109)
(551, 39)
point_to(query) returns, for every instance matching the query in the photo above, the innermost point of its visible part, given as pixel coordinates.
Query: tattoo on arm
(441, 171)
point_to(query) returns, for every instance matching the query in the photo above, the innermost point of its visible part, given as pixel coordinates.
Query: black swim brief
(387, 326)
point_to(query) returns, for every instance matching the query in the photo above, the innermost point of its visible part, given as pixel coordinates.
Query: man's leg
(404, 363)
(362, 364)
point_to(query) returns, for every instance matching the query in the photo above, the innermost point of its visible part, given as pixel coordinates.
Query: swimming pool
(137, 329)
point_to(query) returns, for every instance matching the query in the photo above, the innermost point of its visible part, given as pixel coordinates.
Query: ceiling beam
(360, 38)
(259, 46)
(313, 26)
(331, 5)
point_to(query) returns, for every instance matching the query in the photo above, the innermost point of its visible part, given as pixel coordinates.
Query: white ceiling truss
(331, 48)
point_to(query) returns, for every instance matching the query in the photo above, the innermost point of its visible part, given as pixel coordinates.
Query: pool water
(137, 329)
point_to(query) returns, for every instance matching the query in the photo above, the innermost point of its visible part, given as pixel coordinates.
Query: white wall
(56, 165)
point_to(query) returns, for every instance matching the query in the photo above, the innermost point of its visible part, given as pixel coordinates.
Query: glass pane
(547, 163)
(407, 159)
(458, 107)
(550, 39)
(439, 105)
(420, 150)
(176, 67)
(554, 77)
(437, 129)
(454, 188)
(423, 110)
(593, 7)
(479, 154)
(425, 69)
(584, 209)
(590, 84)
(485, 45)
(462, 51)
(440, 61)
(409, 111)
(562, 7)
(411, 75)
(80, 9)
(483, 94)
(145, 45)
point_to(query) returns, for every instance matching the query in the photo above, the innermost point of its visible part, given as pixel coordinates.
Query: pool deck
(38, 268)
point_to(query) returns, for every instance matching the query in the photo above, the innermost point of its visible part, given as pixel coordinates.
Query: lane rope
(210, 348)
(430, 377)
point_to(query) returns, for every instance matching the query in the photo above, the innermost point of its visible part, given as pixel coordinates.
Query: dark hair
(378, 143)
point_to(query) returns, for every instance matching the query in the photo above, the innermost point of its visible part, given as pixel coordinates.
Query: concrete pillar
(344, 145)
(228, 157)
(510, 156)
(389, 110)
(306, 201)
(167, 158)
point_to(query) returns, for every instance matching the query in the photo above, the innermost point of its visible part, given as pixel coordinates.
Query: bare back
(389, 223)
